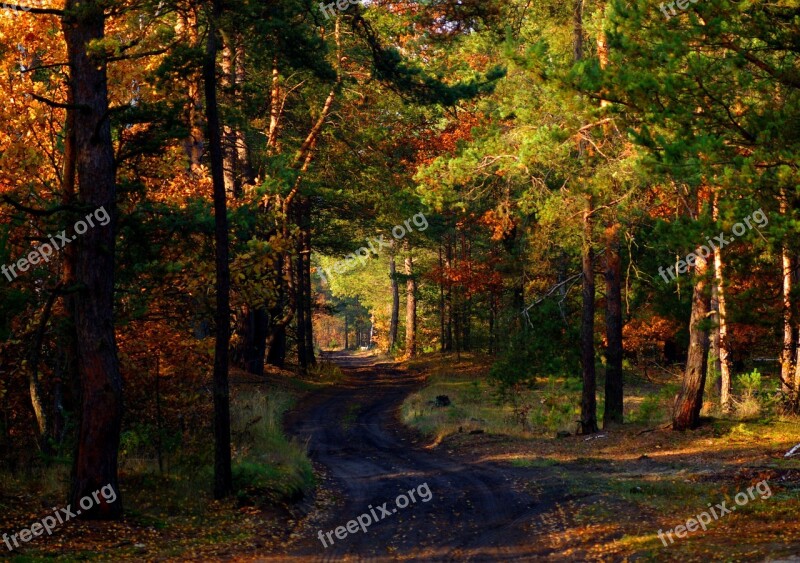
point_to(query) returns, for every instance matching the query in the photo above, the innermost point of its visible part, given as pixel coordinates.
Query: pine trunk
(411, 309)
(97, 448)
(613, 413)
(689, 401)
(395, 318)
(223, 479)
(722, 326)
(589, 399)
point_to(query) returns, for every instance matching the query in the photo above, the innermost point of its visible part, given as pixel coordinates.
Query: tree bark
(300, 293)
(223, 478)
(96, 456)
(229, 154)
(442, 319)
(689, 401)
(577, 30)
(787, 351)
(308, 302)
(613, 413)
(588, 420)
(67, 379)
(448, 296)
(722, 325)
(186, 28)
(411, 309)
(394, 322)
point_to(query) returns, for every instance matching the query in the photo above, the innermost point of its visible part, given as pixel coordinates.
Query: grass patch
(266, 461)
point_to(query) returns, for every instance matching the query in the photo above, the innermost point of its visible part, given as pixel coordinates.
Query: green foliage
(545, 346)
(267, 463)
(655, 407)
(750, 383)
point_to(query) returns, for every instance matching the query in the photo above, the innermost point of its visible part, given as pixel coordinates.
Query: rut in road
(478, 511)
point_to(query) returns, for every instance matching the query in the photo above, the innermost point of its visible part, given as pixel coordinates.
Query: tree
(223, 476)
(95, 463)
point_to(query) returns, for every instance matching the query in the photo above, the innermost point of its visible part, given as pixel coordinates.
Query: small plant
(750, 383)
(750, 405)
(648, 410)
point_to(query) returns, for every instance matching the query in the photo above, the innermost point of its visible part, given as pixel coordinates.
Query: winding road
(476, 511)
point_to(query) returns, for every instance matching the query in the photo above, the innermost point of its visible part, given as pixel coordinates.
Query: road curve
(474, 512)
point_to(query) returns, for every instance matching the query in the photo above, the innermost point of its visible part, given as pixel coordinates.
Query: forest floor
(483, 496)
(527, 498)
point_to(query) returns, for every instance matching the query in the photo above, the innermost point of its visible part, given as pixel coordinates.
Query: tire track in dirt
(478, 511)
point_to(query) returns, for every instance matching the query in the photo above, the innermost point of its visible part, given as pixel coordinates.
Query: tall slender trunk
(43, 418)
(722, 324)
(411, 309)
(395, 300)
(228, 80)
(613, 413)
(448, 296)
(305, 233)
(223, 479)
(466, 311)
(689, 401)
(97, 448)
(300, 293)
(787, 352)
(67, 379)
(442, 318)
(577, 30)
(186, 28)
(589, 399)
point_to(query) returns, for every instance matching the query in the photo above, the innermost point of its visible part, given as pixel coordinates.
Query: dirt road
(474, 511)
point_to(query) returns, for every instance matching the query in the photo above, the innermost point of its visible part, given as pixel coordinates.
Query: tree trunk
(68, 379)
(613, 413)
(589, 399)
(395, 302)
(229, 154)
(276, 347)
(223, 479)
(466, 311)
(722, 325)
(689, 401)
(95, 462)
(787, 352)
(300, 294)
(282, 313)
(186, 29)
(448, 296)
(411, 309)
(577, 30)
(305, 233)
(441, 300)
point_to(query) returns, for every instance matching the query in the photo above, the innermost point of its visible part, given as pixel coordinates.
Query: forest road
(475, 511)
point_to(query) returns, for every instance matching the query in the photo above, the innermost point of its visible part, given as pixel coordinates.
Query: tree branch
(54, 104)
(37, 212)
(29, 9)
